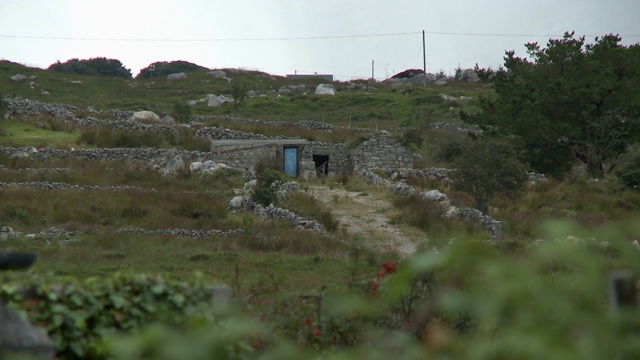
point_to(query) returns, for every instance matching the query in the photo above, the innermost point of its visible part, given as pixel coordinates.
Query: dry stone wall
(134, 154)
(218, 133)
(382, 152)
(244, 158)
(339, 156)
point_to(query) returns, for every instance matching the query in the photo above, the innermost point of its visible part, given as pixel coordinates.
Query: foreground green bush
(78, 315)
(468, 300)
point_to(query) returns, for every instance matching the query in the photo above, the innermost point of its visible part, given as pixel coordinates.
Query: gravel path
(367, 215)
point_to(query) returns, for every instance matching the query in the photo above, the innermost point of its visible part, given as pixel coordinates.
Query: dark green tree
(181, 112)
(269, 176)
(485, 169)
(99, 66)
(571, 101)
(238, 94)
(164, 68)
(628, 170)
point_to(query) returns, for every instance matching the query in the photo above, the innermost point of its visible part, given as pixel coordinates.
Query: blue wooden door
(291, 161)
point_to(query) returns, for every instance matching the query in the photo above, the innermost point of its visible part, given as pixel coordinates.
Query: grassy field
(459, 297)
(386, 107)
(269, 254)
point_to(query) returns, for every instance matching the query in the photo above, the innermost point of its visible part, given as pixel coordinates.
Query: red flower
(389, 267)
(316, 333)
(307, 321)
(374, 288)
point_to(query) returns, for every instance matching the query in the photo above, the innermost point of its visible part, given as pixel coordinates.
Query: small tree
(628, 170)
(568, 101)
(488, 168)
(269, 177)
(238, 93)
(181, 112)
(3, 109)
(458, 73)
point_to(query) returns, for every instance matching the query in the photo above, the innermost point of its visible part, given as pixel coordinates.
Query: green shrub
(98, 66)
(107, 138)
(628, 170)
(78, 315)
(181, 112)
(268, 175)
(164, 68)
(308, 207)
(451, 149)
(485, 169)
(424, 214)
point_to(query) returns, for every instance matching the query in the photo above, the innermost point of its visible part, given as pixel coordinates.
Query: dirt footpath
(368, 216)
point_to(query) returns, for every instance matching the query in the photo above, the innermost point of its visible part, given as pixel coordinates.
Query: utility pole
(372, 72)
(424, 59)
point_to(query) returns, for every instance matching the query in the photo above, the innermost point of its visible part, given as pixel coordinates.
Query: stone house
(304, 158)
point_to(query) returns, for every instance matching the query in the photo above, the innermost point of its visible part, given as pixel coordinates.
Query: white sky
(347, 58)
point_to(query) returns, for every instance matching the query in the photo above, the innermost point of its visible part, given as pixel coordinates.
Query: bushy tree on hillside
(485, 169)
(181, 112)
(570, 101)
(238, 94)
(164, 68)
(99, 66)
(628, 170)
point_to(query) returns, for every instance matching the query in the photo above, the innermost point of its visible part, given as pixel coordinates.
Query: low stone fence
(134, 154)
(64, 186)
(217, 133)
(126, 125)
(183, 232)
(493, 226)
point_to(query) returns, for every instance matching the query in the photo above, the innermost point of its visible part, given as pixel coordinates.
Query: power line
(291, 38)
(515, 35)
(208, 40)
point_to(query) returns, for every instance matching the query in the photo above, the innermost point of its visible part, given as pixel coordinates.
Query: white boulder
(196, 166)
(18, 78)
(145, 116)
(217, 73)
(177, 76)
(174, 165)
(434, 195)
(212, 100)
(238, 202)
(325, 89)
(168, 120)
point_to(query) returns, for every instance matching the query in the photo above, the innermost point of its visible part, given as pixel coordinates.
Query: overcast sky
(41, 32)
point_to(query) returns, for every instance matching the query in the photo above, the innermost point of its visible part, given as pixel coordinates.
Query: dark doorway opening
(322, 163)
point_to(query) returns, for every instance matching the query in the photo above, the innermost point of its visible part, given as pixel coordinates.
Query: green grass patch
(20, 133)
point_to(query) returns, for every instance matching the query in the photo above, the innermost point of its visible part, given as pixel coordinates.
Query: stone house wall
(339, 156)
(382, 152)
(244, 158)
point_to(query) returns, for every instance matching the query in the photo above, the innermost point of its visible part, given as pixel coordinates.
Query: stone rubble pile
(39, 170)
(440, 174)
(42, 185)
(493, 226)
(273, 212)
(243, 201)
(217, 133)
(54, 232)
(183, 232)
(126, 125)
(17, 106)
(456, 127)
